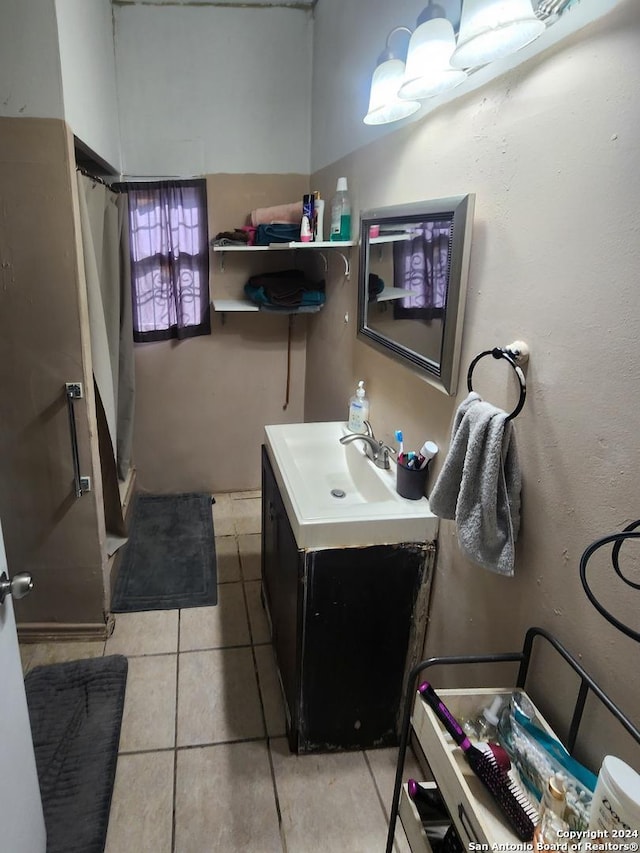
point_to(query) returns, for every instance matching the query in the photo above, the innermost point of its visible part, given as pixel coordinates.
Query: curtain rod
(98, 180)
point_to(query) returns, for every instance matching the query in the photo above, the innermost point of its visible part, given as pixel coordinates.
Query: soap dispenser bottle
(358, 409)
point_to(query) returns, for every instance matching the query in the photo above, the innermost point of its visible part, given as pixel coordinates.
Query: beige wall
(202, 404)
(550, 149)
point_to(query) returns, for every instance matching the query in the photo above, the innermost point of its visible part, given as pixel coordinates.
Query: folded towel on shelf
(286, 290)
(277, 232)
(291, 212)
(479, 485)
(237, 237)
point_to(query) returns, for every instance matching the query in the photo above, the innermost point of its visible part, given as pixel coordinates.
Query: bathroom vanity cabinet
(347, 624)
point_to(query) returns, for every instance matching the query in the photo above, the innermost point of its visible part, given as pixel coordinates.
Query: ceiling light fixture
(384, 104)
(488, 30)
(429, 71)
(492, 29)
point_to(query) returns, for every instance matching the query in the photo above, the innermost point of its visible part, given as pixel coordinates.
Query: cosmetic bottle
(358, 409)
(484, 726)
(306, 225)
(318, 218)
(340, 213)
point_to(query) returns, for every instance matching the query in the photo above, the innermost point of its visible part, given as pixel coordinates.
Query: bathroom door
(22, 823)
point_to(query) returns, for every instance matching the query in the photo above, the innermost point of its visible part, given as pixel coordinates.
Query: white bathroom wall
(349, 37)
(213, 89)
(85, 33)
(30, 75)
(550, 149)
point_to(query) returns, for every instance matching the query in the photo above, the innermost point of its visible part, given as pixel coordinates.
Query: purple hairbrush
(491, 766)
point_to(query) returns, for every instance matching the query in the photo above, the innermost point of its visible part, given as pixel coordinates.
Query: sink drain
(338, 493)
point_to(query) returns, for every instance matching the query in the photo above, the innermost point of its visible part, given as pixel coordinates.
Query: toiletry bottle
(485, 725)
(306, 226)
(358, 409)
(318, 217)
(553, 829)
(340, 213)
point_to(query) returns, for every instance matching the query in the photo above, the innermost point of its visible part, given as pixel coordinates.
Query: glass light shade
(429, 69)
(384, 104)
(491, 29)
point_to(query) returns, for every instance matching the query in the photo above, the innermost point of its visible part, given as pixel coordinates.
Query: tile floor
(204, 764)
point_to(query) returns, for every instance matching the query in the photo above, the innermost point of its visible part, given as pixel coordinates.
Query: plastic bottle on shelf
(358, 409)
(340, 213)
(485, 725)
(318, 218)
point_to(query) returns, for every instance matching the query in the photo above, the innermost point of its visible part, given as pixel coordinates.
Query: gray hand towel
(479, 485)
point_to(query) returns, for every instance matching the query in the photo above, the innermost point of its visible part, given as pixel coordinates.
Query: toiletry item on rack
(615, 808)
(490, 767)
(426, 454)
(554, 796)
(428, 801)
(553, 830)
(431, 809)
(306, 225)
(399, 438)
(318, 217)
(484, 726)
(358, 409)
(538, 756)
(340, 213)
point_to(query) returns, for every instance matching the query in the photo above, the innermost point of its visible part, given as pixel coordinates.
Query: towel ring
(617, 539)
(512, 356)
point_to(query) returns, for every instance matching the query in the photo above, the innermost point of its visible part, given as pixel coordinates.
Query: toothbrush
(399, 439)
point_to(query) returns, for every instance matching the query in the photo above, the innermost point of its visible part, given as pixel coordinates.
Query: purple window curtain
(169, 259)
(421, 265)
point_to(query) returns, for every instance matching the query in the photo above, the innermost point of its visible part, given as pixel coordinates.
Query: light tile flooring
(204, 764)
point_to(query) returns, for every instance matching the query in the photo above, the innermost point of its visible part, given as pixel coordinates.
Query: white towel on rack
(479, 485)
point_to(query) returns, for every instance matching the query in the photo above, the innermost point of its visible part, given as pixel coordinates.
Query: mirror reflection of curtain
(421, 265)
(104, 229)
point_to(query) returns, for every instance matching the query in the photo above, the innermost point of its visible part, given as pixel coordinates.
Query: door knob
(19, 586)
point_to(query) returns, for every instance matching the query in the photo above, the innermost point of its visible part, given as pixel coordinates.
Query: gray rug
(76, 711)
(169, 561)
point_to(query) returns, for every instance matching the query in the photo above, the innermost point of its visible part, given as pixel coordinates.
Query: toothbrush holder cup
(411, 483)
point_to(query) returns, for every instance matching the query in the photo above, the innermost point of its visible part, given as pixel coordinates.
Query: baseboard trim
(43, 632)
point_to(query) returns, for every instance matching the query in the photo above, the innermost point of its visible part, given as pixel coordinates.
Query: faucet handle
(384, 451)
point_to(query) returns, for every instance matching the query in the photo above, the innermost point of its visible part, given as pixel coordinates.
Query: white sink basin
(309, 462)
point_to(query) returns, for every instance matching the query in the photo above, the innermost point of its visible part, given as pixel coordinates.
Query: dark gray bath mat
(75, 710)
(170, 558)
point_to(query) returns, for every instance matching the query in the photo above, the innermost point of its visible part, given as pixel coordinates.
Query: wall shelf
(225, 304)
(392, 293)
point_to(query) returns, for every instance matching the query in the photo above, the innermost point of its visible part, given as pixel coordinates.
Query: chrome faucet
(377, 451)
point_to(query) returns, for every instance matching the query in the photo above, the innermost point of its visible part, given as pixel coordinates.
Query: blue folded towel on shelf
(277, 232)
(479, 485)
(286, 290)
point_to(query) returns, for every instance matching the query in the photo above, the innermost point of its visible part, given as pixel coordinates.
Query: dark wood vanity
(346, 624)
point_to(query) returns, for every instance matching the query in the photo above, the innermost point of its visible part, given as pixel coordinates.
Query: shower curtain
(104, 229)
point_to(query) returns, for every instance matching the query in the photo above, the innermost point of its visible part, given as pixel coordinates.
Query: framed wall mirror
(412, 283)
